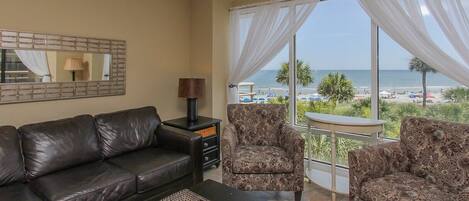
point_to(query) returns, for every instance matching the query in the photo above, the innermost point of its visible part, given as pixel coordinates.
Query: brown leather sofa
(431, 162)
(126, 155)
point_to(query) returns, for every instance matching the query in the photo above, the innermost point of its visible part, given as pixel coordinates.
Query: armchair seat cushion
(154, 167)
(403, 186)
(251, 159)
(94, 181)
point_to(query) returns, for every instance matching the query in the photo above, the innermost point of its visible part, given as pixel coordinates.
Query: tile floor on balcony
(312, 192)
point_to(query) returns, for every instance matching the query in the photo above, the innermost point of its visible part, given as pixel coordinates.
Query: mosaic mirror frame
(45, 91)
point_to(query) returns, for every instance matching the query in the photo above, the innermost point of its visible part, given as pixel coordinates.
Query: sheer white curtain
(403, 21)
(270, 29)
(454, 23)
(36, 61)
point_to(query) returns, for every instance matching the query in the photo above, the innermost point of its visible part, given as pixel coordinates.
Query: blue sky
(337, 36)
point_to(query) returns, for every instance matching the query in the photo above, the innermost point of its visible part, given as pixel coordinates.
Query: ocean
(388, 79)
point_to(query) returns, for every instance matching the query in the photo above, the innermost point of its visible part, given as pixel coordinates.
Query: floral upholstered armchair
(261, 151)
(431, 162)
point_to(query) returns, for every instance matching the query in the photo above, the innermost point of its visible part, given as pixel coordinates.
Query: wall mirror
(39, 67)
(26, 66)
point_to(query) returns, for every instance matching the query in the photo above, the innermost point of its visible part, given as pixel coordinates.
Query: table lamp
(73, 64)
(191, 89)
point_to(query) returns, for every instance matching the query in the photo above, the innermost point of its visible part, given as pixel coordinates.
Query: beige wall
(201, 50)
(209, 52)
(235, 3)
(158, 51)
(221, 21)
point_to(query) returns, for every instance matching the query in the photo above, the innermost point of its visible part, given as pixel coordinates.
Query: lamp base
(192, 109)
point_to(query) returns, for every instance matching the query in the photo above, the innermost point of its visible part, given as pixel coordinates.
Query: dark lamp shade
(191, 87)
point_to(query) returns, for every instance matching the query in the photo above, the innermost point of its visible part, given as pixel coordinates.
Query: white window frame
(374, 86)
(374, 75)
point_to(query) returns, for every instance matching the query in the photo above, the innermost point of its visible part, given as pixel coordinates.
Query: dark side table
(209, 129)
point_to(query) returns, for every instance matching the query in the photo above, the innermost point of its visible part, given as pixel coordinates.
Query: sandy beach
(397, 95)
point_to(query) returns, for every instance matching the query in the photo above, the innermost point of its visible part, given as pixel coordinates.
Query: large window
(333, 70)
(409, 87)
(333, 44)
(332, 60)
(270, 84)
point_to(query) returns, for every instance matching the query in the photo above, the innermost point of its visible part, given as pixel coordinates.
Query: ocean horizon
(388, 79)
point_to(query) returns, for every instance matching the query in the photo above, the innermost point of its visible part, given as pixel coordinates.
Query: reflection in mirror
(22, 66)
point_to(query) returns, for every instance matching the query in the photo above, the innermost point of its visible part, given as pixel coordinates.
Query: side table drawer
(209, 143)
(210, 156)
(207, 132)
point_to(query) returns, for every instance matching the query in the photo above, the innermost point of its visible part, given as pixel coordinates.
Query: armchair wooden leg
(298, 195)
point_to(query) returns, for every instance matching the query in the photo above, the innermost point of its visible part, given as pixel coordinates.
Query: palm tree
(419, 66)
(457, 95)
(337, 88)
(304, 74)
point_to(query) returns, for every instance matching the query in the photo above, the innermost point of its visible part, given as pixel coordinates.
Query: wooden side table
(209, 129)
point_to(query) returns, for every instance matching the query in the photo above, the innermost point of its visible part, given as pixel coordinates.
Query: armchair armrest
(374, 162)
(229, 141)
(185, 142)
(464, 194)
(291, 140)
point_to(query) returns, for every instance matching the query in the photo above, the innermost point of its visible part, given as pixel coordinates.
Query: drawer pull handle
(205, 144)
(206, 158)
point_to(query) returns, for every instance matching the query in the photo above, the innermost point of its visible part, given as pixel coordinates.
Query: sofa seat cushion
(94, 181)
(402, 186)
(250, 159)
(154, 167)
(17, 191)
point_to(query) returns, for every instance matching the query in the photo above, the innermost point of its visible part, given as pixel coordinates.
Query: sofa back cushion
(56, 145)
(257, 124)
(127, 130)
(438, 151)
(11, 160)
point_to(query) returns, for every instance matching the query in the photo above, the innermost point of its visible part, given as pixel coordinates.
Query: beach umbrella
(430, 95)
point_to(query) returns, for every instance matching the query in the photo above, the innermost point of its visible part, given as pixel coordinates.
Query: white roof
(246, 83)
(385, 93)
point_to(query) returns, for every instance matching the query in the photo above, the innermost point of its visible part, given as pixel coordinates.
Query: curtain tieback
(233, 86)
(46, 75)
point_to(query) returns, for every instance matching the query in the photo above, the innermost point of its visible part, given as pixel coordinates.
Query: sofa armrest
(229, 141)
(293, 143)
(374, 162)
(185, 142)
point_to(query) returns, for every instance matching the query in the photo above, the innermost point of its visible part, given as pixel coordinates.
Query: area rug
(184, 195)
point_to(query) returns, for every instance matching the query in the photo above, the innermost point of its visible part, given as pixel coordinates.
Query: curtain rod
(253, 5)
